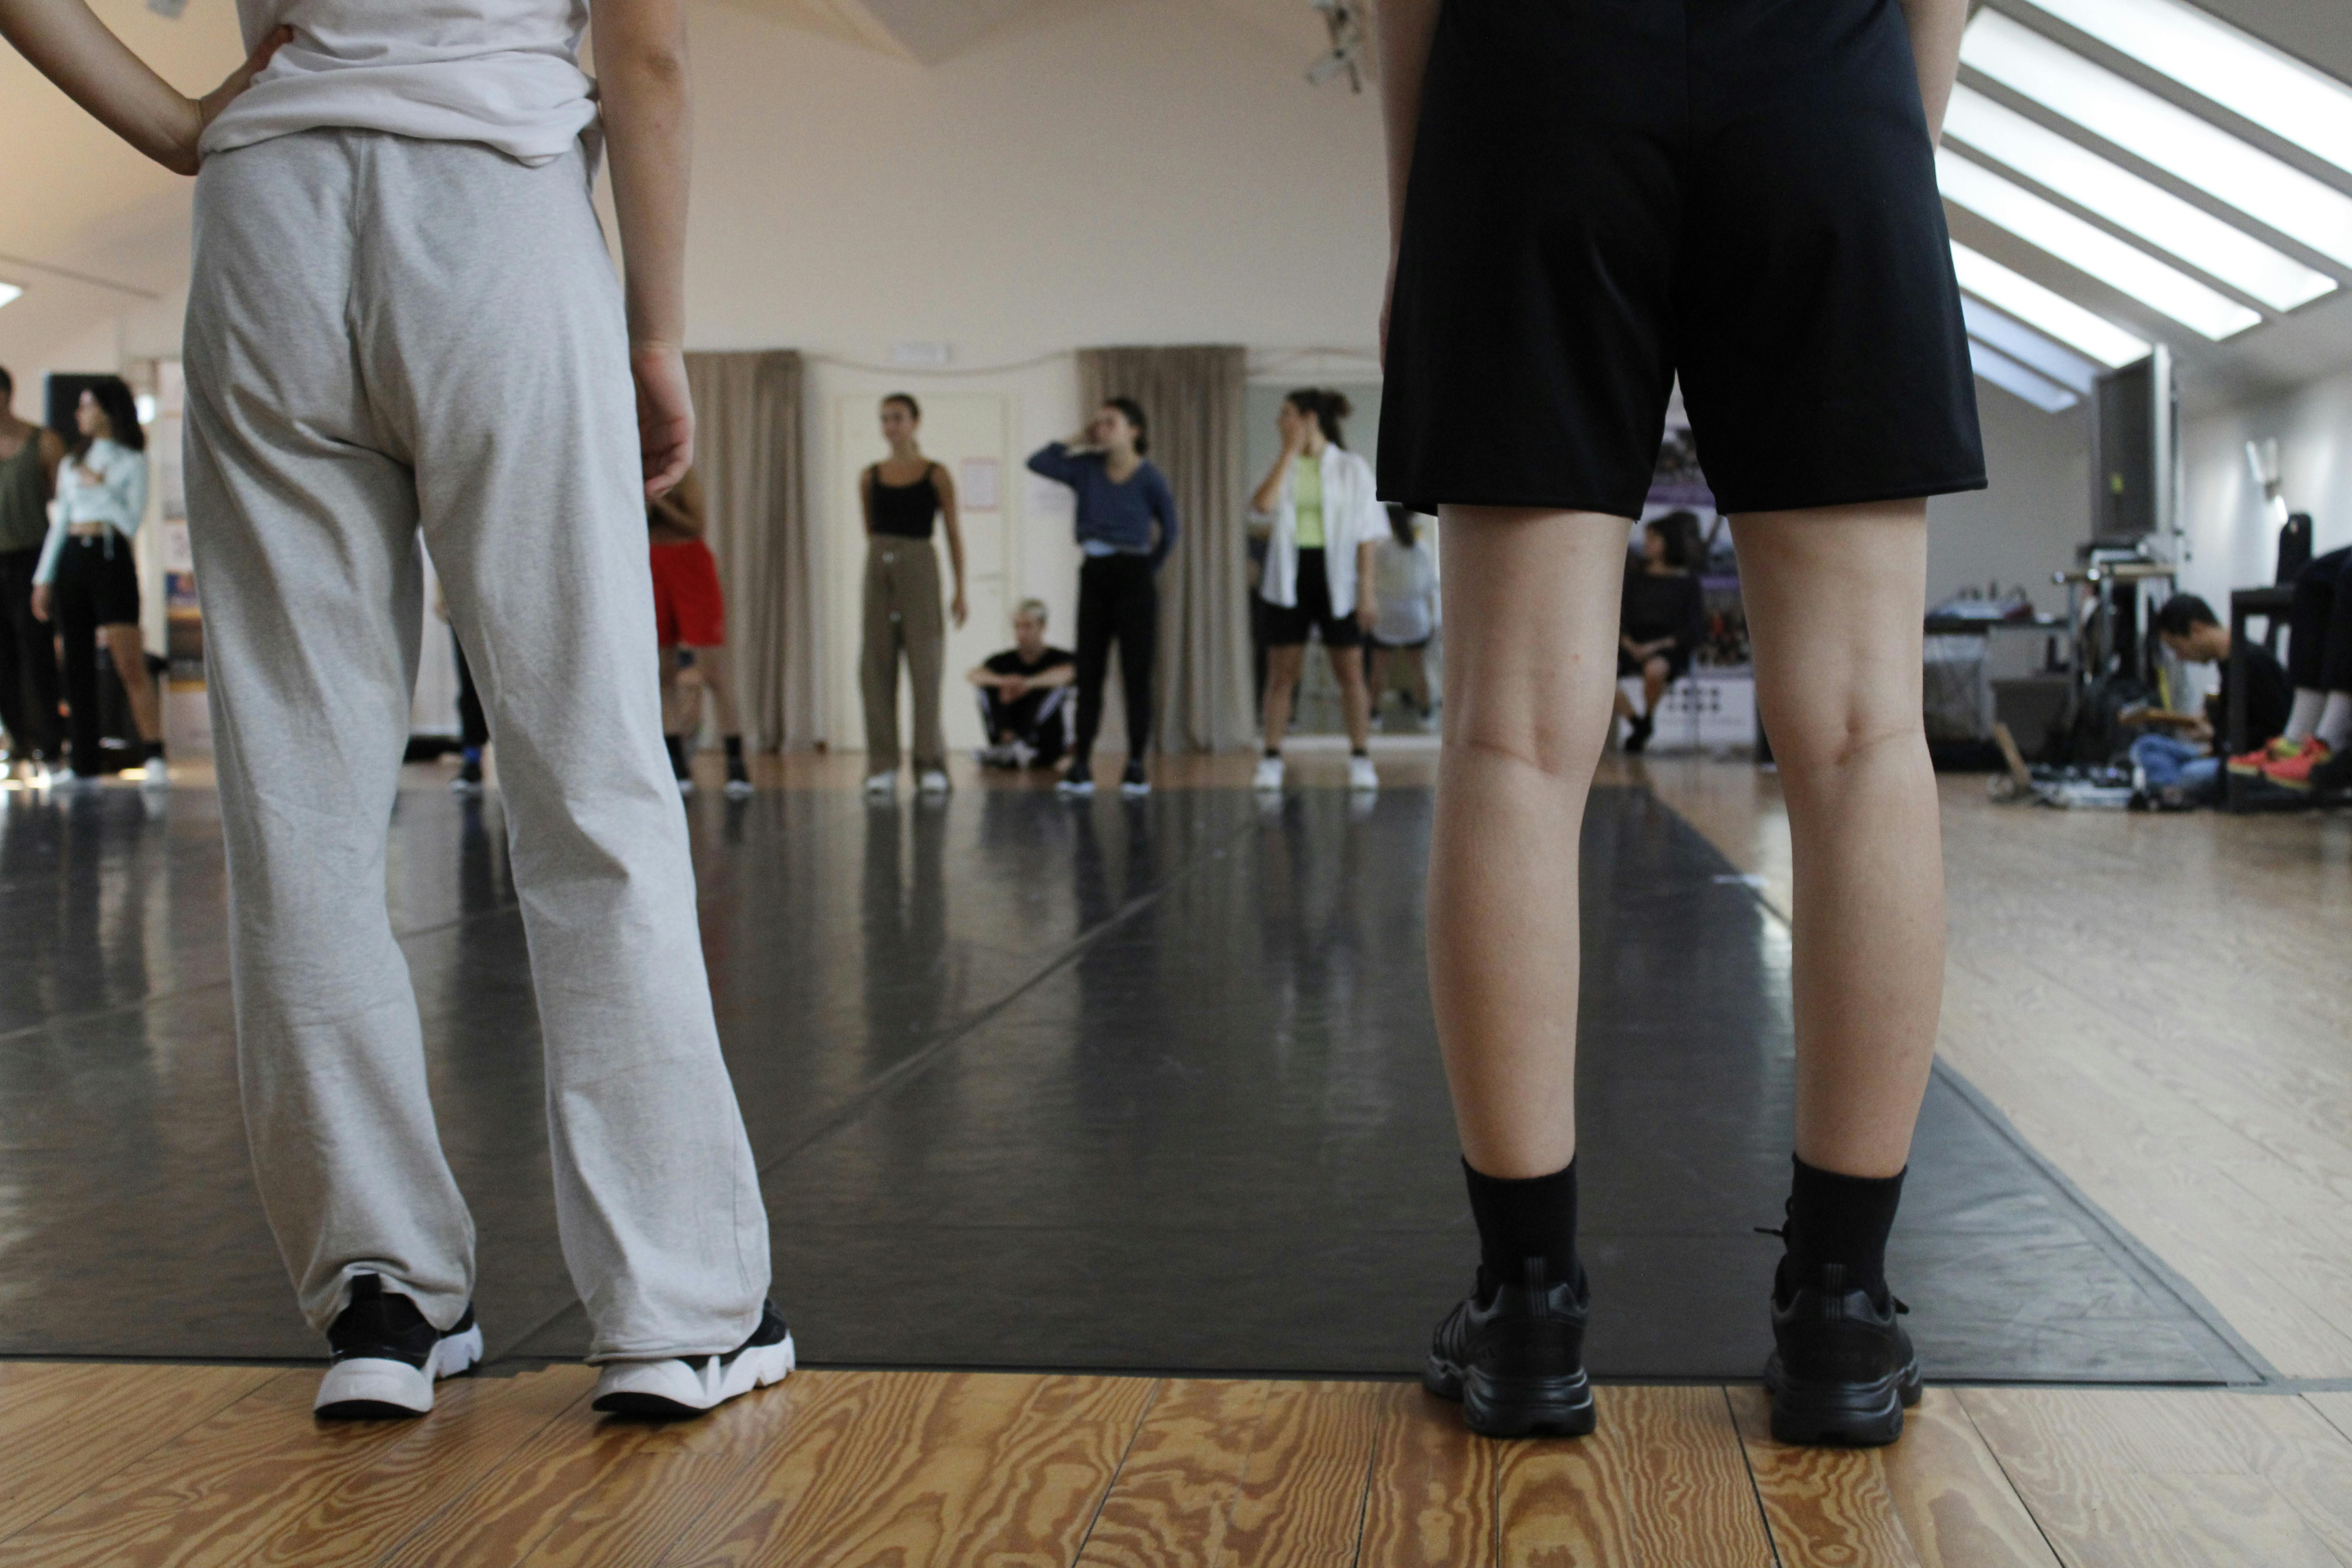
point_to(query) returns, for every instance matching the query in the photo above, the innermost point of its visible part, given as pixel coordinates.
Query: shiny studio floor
(1138, 1091)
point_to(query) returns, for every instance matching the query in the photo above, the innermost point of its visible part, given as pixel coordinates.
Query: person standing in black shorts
(1319, 501)
(1586, 201)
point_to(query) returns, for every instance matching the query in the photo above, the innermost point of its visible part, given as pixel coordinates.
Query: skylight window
(2054, 313)
(2239, 72)
(2136, 205)
(2091, 249)
(2028, 347)
(2138, 120)
(2017, 380)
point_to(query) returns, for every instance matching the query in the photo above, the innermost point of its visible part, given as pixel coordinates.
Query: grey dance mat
(1125, 1085)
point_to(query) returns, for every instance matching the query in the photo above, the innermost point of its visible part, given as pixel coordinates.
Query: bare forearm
(66, 42)
(1269, 489)
(641, 71)
(1936, 28)
(1405, 29)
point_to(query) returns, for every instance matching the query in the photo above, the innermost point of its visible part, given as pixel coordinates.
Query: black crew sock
(1533, 1217)
(1842, 1220)
(1360, 751)
(677, 747)
(154, 751)
(734, 744)
(1274, 753)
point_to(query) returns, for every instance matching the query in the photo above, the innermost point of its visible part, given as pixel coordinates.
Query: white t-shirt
(505, 73)
(1407, 590)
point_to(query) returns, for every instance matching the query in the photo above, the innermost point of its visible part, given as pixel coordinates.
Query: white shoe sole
(672, 1391)
(363, 1389)
(739, 789)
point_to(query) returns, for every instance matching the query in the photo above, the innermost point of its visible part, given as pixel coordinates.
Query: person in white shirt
(86, 582)
(403, 318)
(1319, 500)
(1404, 578)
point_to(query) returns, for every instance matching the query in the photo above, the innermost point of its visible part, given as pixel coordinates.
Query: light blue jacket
(118, 498)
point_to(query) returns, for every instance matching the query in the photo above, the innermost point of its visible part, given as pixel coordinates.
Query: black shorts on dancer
(1606, 193)
(1287, 625)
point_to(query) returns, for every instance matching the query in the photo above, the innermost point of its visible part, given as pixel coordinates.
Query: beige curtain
(754, 475)
(1192, 398)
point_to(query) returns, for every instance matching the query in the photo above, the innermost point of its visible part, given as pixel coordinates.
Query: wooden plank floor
(140, 1466)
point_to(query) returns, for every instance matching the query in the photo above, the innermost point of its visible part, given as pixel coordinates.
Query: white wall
(2233, 544)
(2026, 525)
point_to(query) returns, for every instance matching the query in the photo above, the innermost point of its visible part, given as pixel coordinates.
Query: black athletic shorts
(1286, 626)
(106, 579)
(1606, 192)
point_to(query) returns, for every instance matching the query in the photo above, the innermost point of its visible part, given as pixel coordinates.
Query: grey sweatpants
(385, 334)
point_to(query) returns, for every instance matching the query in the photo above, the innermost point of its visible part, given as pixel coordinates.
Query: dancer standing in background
(1126, 526)
(87, 578)
(903, 495)
(1660, 619)
(1404, 577)
(30, 455)
(690, 620)
(1322, 501)
(1585, 200)
(402, 312)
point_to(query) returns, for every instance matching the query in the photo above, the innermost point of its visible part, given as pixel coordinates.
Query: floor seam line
(2011, 1481)
(1110, 1486)
(1754, 1488)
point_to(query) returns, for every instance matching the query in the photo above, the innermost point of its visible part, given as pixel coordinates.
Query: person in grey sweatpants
(385, 333)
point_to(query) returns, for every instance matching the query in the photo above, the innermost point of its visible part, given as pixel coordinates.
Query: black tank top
(905, 511)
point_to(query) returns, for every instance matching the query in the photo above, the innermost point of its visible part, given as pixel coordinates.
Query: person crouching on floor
(1024, 696)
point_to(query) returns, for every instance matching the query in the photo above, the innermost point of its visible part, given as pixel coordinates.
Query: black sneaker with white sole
(1135, 783)
(683, 1386)
(1514, 1356)
(1841, 1371)
(1078, 781)
(385, 1357)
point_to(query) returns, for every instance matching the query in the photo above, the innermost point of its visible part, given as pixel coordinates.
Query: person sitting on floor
(2178, 757)
(2314, 750)
(1023, 696)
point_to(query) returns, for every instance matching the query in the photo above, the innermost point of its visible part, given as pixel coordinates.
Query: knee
(1828, 747)
(1657, 670)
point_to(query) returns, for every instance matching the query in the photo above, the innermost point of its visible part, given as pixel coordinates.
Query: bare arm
(649, 124)
(1368, 601)
(1936, 28)
(66, 42)
(1404, 30)
(951, 520)
(53, 456)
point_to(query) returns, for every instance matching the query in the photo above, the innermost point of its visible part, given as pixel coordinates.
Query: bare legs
(1283, 666)
(1416, 668)
(716, 676)
(1835, 602)
(1654, 671)
(129, 651)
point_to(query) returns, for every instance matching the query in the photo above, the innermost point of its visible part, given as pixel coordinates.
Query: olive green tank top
(24, 506)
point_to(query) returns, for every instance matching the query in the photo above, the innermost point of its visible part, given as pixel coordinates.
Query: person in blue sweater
(1127, 526)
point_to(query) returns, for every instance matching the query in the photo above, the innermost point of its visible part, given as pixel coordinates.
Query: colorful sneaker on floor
(2247, 763)
(2295, 773)
(385, 1357)
(687, 1386)
(1514, 1356)
(1842, 1370)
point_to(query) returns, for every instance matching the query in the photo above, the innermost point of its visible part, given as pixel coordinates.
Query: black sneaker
(384, 1358)
(1514, 1356)
(1135, 783)
(683, 1386)
(1078, 781)
(1842, 1370)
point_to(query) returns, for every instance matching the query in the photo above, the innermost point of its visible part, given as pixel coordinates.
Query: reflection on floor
(2155, 1003)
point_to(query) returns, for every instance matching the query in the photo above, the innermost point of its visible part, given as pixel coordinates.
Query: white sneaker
(387, 1357)
(739, 789)
(1361, 779)
(156, 774)
(679, 1388)
(933, 782)
(883, 782)
(1268, 776)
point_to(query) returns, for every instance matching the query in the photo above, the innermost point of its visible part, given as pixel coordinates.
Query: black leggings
(1117, 601)
(2319, 627)
(95, 587)
(28, 661)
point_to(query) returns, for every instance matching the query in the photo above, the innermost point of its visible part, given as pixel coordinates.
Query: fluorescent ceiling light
(2092, 250)
(2239, 72)
(2028, 347)
(2163, 133)
(2136, 205)
(10, 293)
(2015, 379)
(2054, 313)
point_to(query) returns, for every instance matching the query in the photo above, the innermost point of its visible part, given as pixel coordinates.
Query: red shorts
(688, 607)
